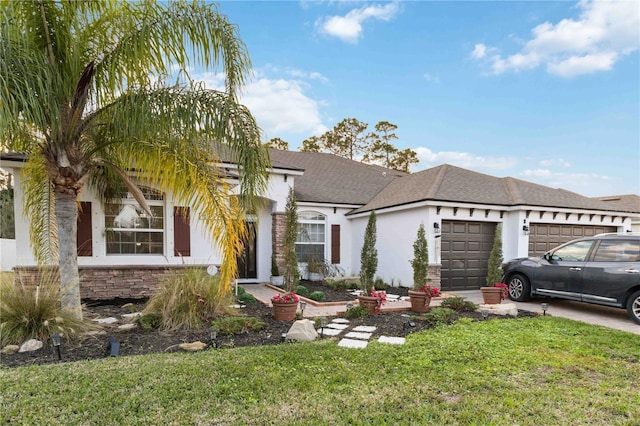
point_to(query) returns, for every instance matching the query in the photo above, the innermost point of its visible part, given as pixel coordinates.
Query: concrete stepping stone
(337, 326)
(340, 321)
(392, 297)
(365, 328)
(331, 332)
(351, 343)
(358, 335)
(392, 340)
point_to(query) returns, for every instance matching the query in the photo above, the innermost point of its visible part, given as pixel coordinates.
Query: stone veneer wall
(434, 274)
(109, 282)
(277, 235)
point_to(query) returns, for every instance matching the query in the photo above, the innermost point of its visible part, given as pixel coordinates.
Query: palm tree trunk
(67, 220)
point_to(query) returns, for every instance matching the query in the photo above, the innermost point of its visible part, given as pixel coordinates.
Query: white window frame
(309, 217)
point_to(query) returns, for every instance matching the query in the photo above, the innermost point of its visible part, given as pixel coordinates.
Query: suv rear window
(617, 251)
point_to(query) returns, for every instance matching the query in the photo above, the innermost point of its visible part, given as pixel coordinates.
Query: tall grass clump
(187, 300)
(32, 311)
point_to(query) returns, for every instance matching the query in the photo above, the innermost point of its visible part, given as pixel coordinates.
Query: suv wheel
(633, 306)
(519, 288)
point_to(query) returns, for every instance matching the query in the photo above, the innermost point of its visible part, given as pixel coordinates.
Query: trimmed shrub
(458, 304)
(237, 325)
(357, 312)
(302, 291)
(246, 298)
(34, 312)
(186, 301)
(439, 316)
(318, 296)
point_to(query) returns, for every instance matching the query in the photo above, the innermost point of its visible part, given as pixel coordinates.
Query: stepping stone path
(356, 337)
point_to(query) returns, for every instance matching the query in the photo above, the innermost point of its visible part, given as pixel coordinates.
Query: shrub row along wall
(110, 282)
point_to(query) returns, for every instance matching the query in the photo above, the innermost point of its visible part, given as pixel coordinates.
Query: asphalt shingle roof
(331, 179)
(625, 203)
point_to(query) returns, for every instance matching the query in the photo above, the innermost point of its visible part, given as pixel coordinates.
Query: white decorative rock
(30, 346)
(10, 349)
(302, 331)
(131, 316)
(193, 346)
(110, 320)
(501, 309)
(129, 326)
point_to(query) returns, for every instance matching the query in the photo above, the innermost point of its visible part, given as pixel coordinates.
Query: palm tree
(84, 95)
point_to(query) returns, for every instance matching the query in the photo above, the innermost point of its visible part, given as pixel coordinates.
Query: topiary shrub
(302, 291)
(187, 300)
(458, 304)
(318, 296)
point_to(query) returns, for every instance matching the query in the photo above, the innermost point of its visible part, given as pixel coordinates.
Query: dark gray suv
(604, 269)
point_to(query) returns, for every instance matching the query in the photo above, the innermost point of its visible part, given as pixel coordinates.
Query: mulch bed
(138, 341)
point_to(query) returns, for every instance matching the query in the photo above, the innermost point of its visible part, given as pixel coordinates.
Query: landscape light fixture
(349, 305)
(303, 305)
(283, 336)
(113, 346)
(544, 306)
(436, 227)
(485, 313)
(213, 333)
(56, 340)
(323, 324)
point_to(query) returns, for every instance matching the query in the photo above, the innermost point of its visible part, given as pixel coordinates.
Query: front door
(247, 262)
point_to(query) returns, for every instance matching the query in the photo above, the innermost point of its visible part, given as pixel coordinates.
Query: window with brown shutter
(181, 232)
(335, 244)
(84, 240)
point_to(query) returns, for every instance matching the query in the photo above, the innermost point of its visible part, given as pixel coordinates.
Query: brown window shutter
(181, 232)
(84, 240)
(335, 244)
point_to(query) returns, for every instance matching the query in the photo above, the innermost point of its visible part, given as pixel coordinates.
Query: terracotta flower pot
(371, 303)
(285, 311)
(491, 295)
(419, 301)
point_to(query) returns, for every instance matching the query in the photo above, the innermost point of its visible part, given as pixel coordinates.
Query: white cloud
(349, 27)
(431, 78)
(554, 162)
(465, 160)
(587, 184)
(279, 105)
(479, 51)
(604, 32)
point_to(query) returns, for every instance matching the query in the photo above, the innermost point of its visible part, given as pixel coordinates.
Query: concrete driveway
(585, 312)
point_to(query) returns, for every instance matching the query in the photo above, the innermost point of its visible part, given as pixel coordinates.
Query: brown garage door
(465, 253)
(544, 237)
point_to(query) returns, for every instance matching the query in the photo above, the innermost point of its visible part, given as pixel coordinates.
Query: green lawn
(534, 371)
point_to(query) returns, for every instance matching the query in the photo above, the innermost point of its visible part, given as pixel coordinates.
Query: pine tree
(495, 259)
(369, 255)
(420, 262)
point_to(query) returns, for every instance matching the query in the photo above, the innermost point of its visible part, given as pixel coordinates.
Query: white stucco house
(122, 253)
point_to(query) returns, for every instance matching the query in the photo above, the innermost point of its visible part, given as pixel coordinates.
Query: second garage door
(465, 251)
(544, 237)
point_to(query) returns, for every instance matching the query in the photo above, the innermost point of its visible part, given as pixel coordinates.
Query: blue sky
(542, 91)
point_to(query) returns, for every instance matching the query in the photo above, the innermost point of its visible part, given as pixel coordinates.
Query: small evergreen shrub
(149, 322)
(458, 304)
(318, 296)
(302, 291)
(379, 284)
(439, 316)
(237, 325)
(246, 298)
(357, 312)
(342, 284)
